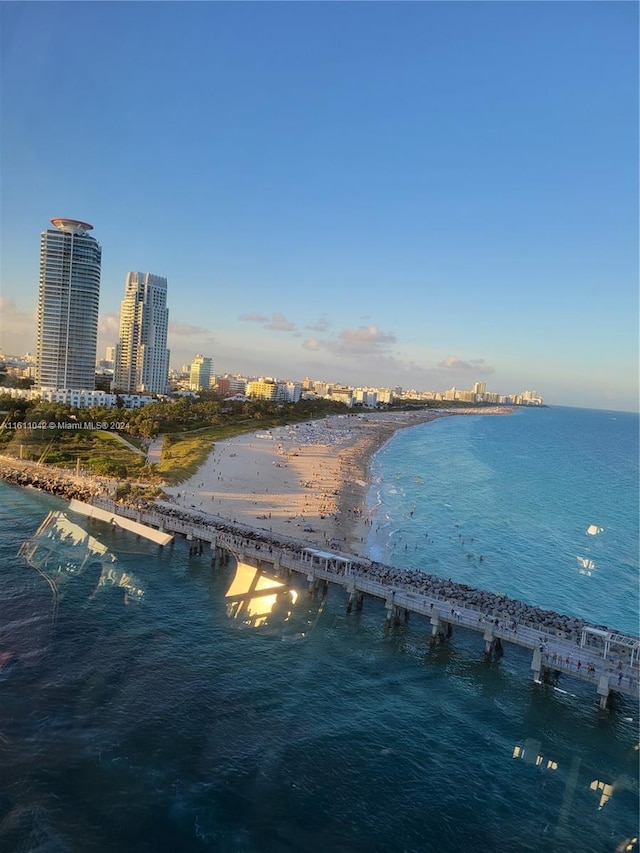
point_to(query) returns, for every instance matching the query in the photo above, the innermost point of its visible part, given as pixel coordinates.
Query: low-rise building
(260, 389)
(231, 385)
(80, 398)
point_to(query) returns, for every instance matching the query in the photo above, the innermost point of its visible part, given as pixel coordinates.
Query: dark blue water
(167, 725)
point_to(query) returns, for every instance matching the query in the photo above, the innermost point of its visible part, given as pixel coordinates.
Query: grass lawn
(100, 452)
(94, 451)
(184, 453)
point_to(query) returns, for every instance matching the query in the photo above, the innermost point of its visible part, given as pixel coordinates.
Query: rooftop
(71, 226)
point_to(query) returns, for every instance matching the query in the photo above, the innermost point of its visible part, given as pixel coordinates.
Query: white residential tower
(68, 296)
(142, 357)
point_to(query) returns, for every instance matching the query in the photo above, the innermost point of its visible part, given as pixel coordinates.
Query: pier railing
(556, 651)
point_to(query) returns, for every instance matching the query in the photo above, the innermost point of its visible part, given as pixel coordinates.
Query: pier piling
(603, 691)
(606, 656)
(536, 664)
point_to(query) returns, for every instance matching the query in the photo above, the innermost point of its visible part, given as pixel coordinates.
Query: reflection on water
(587, 564)
(606, 791)
(530, 754)
(74, 561)
(256, 598)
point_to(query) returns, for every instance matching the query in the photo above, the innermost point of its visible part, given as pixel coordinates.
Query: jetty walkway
(561, 645)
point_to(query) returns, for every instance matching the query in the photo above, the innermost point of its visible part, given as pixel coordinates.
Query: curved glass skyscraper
(142, 357)
(69, 292)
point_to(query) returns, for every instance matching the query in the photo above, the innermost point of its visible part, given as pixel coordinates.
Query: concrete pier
(608, 660)
(155, 533)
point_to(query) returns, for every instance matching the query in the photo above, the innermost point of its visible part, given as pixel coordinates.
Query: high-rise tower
(69, 292)
(142, 357)
(200, 373)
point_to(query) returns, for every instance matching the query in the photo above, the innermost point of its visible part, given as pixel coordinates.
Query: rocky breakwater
(55, 481)
(509, 612)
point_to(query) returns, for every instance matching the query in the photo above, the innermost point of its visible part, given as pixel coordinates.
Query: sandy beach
(304, 480)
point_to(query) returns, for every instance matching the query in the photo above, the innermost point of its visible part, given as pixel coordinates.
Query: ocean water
(506, 504)
(198, 718)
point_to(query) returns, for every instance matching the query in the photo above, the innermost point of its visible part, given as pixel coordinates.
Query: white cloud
(253, 318)
(362, 341)
(320, 325)
(109, 326)
(277, 322)
(475, 365)
(187, 330)
(17, 328)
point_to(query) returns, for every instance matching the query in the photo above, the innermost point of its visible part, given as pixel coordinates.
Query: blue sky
(415, 194)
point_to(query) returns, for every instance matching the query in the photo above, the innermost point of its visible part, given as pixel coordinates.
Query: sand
(307, 480)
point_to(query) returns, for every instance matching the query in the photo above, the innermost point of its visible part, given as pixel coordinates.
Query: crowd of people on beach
(319, 489)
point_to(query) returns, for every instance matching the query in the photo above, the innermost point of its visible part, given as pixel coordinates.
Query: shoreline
(306, 481)
(353, 456)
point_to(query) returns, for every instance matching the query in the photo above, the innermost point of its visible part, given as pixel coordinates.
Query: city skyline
(423, 195)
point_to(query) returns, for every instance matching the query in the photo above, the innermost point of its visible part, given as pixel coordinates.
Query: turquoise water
(166, 725)
(520, 491)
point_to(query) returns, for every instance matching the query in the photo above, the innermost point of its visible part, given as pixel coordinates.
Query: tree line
(169, 416)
